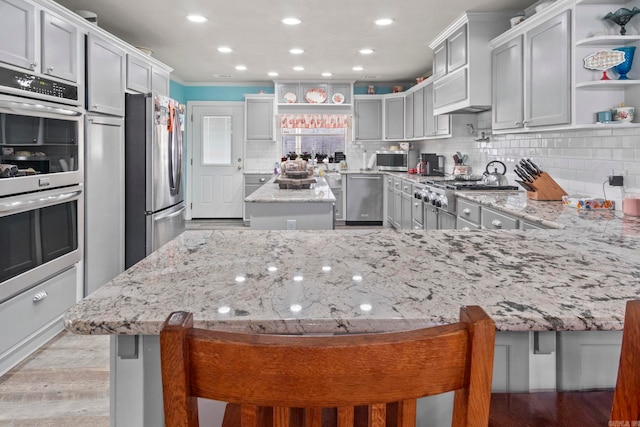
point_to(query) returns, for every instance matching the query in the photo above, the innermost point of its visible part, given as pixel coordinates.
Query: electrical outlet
(616, 180)
(291, 224)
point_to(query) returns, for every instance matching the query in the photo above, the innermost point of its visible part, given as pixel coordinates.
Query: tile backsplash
(579, 160)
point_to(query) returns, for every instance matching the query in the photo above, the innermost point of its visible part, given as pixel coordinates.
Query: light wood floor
(66, 382)
(63, 384)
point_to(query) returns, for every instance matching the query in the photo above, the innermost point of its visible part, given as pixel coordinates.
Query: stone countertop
(372, 280)
(270, 192)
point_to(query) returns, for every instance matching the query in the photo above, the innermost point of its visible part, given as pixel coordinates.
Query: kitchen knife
(534, 166)
(530, 171)
(523, 174)
(524, 185)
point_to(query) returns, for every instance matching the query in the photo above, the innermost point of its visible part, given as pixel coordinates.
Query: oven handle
(38, 200)
(38, 108)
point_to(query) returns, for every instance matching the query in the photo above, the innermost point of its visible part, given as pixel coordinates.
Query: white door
(217, 180)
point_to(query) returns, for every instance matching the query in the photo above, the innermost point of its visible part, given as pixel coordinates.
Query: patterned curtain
(312, 121)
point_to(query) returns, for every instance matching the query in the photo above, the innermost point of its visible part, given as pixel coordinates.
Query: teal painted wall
(182, 93)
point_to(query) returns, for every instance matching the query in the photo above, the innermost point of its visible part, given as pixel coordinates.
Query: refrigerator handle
(170, 215)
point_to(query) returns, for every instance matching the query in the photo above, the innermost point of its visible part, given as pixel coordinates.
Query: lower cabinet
(251, 183)
(339, 206)
(33, 317)
(473, 216)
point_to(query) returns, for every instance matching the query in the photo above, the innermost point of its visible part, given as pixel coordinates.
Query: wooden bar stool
(615, 408)
(282, 381)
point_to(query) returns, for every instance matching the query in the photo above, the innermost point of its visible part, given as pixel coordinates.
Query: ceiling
(331, 34)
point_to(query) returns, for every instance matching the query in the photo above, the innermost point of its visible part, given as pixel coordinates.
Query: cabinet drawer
(462, 224)
(407, 187)
(26, 313)
(397, 184)
(493, 220)
(257, 179)
(469, 211)
(450, 89)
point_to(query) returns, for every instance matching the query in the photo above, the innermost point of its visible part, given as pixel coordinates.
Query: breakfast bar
(542, 288)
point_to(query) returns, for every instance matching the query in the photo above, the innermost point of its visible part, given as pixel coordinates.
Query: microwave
(396, 160)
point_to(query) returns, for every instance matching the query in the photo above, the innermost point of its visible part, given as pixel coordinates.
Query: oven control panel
(30, 83)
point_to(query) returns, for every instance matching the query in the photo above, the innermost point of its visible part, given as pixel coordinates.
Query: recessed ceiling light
(327, 74)
(196, 18)
(357, 68)
(296, 51)
(366, 51)
(224, 49)
(298, 68)
(383, 21)
(241, 67)
(272, 74)
(291, 21)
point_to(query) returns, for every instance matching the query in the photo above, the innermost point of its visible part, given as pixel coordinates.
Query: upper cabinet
(543, 98)
(367, 116)
(394, 116)
(38, 40)
(539, 77)
(462, 62)
(106, 65)
(144, 77)
(259, 118)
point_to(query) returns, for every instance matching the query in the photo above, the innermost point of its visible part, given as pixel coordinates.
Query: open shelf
(607, 84)
(608, 40)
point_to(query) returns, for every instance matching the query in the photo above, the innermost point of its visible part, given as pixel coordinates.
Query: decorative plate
(316, 96)
(337, 98)
(604, 59)
(290, 98)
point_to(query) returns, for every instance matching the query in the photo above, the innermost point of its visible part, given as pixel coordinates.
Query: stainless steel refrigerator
(154, 171)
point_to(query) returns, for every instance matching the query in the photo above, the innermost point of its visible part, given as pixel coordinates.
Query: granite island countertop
(270, 192)
(373, 280)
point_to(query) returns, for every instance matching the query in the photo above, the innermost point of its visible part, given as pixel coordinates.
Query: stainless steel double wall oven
(41, 177)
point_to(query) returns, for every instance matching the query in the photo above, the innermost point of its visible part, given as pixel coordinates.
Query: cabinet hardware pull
(416, 204)
(40, 296)
(262, 180)
(518, 124)
(496, 223)
(525, 123)
(466, 211)
(33, 65)
(49, 70)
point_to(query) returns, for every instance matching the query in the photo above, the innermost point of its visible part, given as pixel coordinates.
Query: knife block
(545, 189)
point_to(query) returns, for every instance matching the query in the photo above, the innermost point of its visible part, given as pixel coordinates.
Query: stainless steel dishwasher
(364, 199)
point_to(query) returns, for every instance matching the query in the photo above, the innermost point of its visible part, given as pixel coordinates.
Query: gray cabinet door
(138, 75)
(418, 113)
(407, 209)
(457, 49)
(451, 88)
(105, 77)
(429, 122)
(508, 85)
(59, 48)
(408, 115)
(394, 118)
(440, 60)
(442, 124)
(259, 117)
(397, 209)
(160, 81)
(17, 33)
(368, 115)
(547, 90)
(104, 201)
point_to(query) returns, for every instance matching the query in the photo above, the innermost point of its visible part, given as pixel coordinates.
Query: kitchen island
(273, 208)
